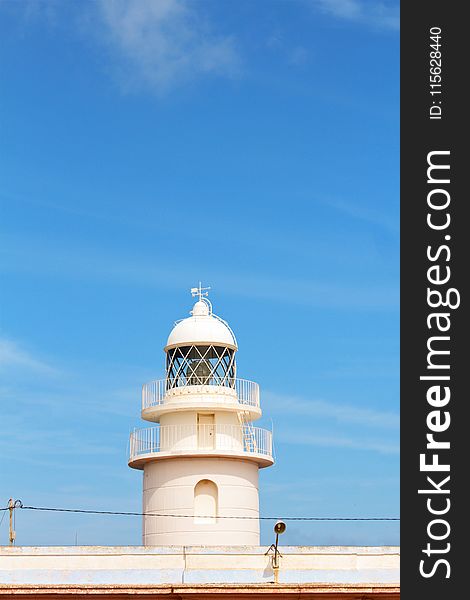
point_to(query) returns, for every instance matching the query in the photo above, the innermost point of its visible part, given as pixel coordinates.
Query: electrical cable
(154, 514)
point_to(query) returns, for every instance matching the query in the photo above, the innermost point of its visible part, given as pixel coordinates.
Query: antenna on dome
(200, 291)
(202, 302)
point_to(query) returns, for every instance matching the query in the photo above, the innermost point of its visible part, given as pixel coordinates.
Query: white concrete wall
(169, 489)
(190, 417)
(179, 431)
(179, 418)
(177, 565)
(197, 394)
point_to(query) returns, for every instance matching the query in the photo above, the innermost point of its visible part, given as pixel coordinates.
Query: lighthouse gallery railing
(179, 439)
(161, 390)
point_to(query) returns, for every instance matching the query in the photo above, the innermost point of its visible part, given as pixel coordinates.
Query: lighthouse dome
(201, 328)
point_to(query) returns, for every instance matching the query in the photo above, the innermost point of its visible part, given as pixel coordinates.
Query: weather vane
(200, 291)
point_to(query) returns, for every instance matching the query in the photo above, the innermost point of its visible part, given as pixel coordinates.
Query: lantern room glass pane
(200, 365)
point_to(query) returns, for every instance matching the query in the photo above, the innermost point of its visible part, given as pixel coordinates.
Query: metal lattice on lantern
(200, 365)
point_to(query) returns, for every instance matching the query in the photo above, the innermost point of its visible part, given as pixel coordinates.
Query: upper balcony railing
(222, 439)
(160, 391)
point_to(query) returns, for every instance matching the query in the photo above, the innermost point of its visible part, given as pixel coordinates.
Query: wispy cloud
(380, 15)
(89, 263)
(32, 442)
(357, 436)
(339, 412)
(297, 437)
(358, 369)
(368, 214)
(205, 228)
(160, 45)
(298, 56)
(12, 355)
(308, 486)
(29, 10)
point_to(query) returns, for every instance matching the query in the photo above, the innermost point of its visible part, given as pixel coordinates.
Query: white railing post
(155, 392)
(189, 437)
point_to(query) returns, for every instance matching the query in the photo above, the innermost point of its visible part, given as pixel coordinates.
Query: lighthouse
(201, 460)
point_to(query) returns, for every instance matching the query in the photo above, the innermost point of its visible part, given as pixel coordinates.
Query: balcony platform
(235, 395)
(218, 441)
(138, 462)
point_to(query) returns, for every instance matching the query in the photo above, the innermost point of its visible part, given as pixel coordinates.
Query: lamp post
(279, 528)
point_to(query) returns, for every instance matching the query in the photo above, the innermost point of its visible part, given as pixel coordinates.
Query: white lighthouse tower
(201, 462)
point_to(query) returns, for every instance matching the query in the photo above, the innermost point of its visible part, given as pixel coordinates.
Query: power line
(154, 514)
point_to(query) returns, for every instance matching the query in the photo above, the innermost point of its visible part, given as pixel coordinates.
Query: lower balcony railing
(178, 439)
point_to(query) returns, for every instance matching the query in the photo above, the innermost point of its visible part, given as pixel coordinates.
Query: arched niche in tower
(205, 502)
(200, 365)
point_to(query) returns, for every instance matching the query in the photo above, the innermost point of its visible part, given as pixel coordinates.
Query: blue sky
(150, 145)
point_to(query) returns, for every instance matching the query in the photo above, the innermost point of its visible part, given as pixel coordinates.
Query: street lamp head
(279, 527)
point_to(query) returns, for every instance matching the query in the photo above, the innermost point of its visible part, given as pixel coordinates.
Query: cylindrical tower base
(207, 490)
